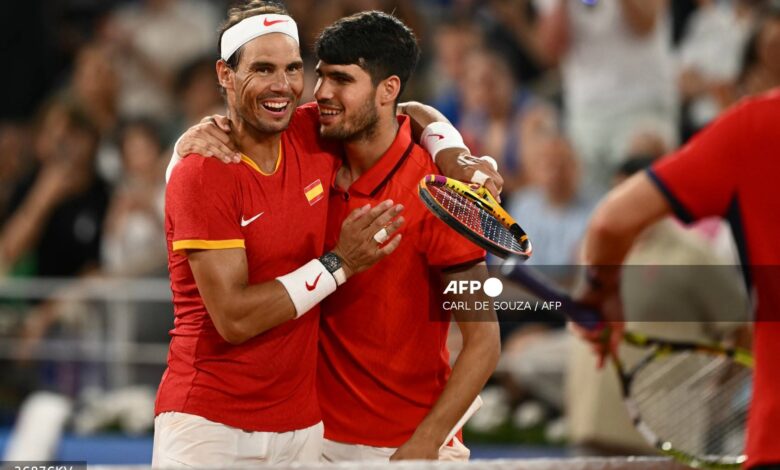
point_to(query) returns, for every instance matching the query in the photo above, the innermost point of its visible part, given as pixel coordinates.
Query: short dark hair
(240, 13)
(379, 43)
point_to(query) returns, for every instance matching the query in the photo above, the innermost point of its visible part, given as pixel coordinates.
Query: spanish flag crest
(314, 192)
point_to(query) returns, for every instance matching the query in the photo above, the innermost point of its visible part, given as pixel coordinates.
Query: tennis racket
(689, 400)
(474, 213)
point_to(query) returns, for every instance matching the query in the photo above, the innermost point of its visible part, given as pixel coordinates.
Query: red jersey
(268, 382)
(730, 170)
(383, 355)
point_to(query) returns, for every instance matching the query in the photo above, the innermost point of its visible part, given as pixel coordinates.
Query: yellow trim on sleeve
(207, 244)
(253, 165)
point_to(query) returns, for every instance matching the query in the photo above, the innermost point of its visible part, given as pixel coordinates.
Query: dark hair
(238, 14)
(379, 43)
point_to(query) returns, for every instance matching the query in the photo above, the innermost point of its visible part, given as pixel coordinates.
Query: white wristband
(308, 285)
(175, 159)
(438, 136)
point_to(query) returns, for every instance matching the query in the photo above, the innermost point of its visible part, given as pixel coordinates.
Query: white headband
(254, 26)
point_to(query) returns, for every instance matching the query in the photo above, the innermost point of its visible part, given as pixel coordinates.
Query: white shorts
(183, 440)
(340, 452)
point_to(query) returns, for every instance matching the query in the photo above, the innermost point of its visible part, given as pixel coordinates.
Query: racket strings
(697, 402)
(474, 217)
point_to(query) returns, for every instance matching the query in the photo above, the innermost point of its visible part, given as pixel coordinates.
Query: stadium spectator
(709, 58)
(453, 40)
(492, 113)
(553, 207)
(55, 227)
(617, 71)
(509, 28)
(132, 241)
(155, 38)
(95, 88)
(58, 211)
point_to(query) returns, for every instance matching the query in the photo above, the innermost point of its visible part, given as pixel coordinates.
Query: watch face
(331, 261)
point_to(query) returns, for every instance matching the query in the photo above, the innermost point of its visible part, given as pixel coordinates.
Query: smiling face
(266, 85)
(346, 97)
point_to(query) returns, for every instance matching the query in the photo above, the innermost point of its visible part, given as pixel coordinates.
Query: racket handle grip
(547, 290)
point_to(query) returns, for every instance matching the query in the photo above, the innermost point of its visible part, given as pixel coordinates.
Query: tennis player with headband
(404, 411)
(247, 267)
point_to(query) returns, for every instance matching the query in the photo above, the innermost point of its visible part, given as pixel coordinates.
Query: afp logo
(492, 287)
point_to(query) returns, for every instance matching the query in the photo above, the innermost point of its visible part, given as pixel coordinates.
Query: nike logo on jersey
(437, 135)
(313, 286)
(245, 222)
(272, 22)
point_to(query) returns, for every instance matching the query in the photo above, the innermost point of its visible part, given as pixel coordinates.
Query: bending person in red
(729, 170)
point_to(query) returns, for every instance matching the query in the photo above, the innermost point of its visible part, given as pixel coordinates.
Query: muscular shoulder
(202, 175)
(197, 167)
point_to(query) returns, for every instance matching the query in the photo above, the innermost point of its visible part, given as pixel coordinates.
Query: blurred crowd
(566, 95)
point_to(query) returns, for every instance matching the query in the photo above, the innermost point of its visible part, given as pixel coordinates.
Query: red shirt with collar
(383, 354)
(268, 382)
(730, 170)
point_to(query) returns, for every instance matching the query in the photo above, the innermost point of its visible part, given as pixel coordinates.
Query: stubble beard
(363, 125)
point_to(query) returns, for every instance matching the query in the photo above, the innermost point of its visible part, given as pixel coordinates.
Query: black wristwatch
(332, 263)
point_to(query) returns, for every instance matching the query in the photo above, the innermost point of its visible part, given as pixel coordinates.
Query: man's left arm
(475, 364)
(438, 136)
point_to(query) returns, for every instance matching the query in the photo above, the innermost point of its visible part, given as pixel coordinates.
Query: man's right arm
(207, 228)
(241, 311)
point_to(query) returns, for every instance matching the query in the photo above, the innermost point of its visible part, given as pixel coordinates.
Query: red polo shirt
(279, 219)
(383, 356)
